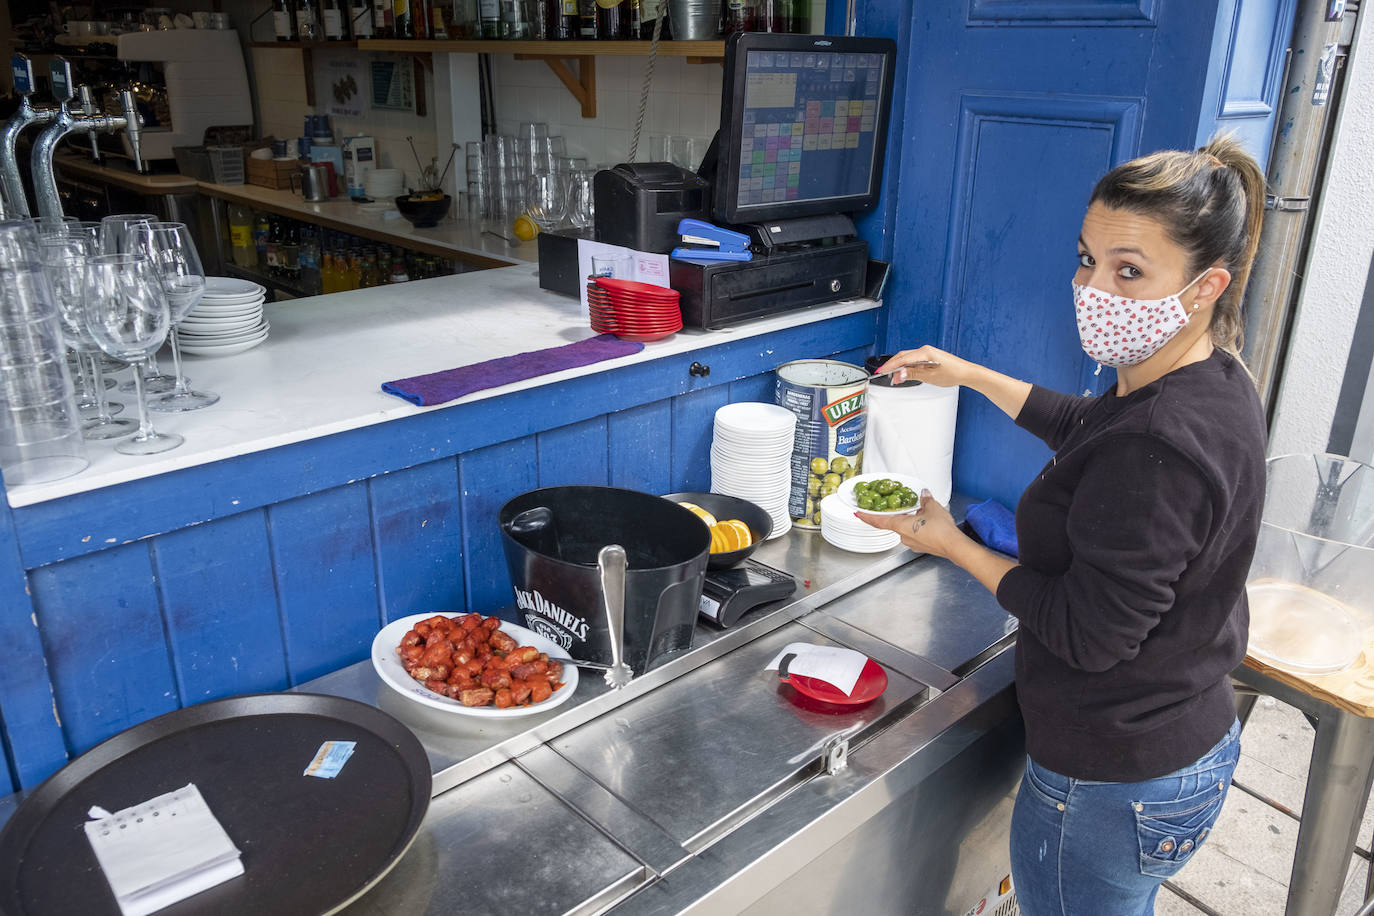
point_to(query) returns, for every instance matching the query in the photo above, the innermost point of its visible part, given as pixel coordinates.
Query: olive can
(829, 400)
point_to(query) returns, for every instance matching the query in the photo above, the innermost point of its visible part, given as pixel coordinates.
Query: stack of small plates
(227, 320)
(841, 528)
(751, 457)
(384, 184)
(632, 310)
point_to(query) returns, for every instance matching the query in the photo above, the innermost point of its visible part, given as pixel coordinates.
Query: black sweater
(1135, 543)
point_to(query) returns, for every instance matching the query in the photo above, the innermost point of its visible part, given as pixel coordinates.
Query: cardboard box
(272, 173)
(359, 158)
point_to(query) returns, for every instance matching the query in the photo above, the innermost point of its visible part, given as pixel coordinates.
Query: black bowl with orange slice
(721, 509)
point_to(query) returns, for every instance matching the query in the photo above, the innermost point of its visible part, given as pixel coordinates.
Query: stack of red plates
(633, 311)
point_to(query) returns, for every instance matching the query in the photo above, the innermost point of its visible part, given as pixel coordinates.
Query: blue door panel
(417, 525)
(220, 607)
(640, 447)
(103, 638)
(1243, 90)
(694, 417)
(755, 388)
(32, 739)
(489, 477)
(322, 554)
(574, 454)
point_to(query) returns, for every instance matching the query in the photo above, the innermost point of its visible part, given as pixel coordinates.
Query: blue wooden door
(1006, 114)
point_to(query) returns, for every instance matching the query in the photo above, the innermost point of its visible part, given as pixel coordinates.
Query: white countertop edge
(379, 407)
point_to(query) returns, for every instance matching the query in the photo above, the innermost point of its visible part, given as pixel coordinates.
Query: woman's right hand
(950, 371)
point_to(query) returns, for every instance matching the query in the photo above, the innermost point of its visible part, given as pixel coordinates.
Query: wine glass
(64, 261)
(544, 200)
(177, 263)
(116, 237)
(581, 199)
(128, 317)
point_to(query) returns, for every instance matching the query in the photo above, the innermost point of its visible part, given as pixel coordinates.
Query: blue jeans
(1081, 847)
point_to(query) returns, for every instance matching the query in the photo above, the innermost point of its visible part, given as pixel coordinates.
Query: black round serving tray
(309, 845)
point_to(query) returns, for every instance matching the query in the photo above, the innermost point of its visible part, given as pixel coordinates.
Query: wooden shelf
(693, 50)
(306, 45)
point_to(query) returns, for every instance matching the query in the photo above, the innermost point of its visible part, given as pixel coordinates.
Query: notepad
(162, 851)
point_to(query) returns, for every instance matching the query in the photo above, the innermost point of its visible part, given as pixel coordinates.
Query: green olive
(832, 480)
(884, 486)
(867, 501)
(827, 489)
(840, 465)
(813, 486)
(819, 466)
(850, 473)
(816, 519)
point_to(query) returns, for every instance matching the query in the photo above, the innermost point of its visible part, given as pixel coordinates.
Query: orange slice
(744, 536)
(701, 513)
(717, 540)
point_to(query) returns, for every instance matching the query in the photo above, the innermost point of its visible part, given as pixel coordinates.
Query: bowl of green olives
(886, 493)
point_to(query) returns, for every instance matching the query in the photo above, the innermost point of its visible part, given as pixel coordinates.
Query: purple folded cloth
(440, 387)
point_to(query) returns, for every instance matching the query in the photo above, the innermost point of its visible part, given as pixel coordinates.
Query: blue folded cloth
(995, 525)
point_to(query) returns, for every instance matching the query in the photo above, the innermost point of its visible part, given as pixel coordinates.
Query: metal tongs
(611, 563)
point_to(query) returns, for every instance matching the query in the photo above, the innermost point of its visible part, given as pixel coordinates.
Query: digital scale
(728, 594)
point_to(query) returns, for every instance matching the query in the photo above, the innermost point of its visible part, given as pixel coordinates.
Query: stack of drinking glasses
(528, 172)
(40, 433)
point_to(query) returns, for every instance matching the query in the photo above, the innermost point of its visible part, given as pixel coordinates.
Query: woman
(1135, 540)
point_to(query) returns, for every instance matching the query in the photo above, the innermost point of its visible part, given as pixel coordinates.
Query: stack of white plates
(841, 528)
(384, 184)
(751, 457)
(227, 320)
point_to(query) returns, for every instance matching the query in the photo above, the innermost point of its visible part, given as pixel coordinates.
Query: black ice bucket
(552, 537)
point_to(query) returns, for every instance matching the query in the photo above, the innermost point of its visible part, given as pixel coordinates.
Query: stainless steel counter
(708, 787)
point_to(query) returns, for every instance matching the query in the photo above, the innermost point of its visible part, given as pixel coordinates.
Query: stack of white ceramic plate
(227, 320)
(751, 457)
(384, 184)
(841, 528)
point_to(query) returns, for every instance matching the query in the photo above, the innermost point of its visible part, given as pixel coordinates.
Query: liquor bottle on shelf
(490, 13)
(289, 254)
(261, 229)
(613, 19)
(333, 20)
(310, 260)
(561, 20)
(403, 25)
(274, 247)
(383, 19)
(800, 20)
(440, 15)
(368, 278)
(421, 21)
(648, 9)
(307, 21)
(360, 23)
(587, 20)
(738, 16)
(398, 268)
(283, 23)
(383, 267)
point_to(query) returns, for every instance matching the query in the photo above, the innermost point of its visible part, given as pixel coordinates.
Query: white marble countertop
(321, 369)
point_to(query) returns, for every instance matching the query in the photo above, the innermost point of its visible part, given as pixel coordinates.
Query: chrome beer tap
(44, 181)
(16, 204)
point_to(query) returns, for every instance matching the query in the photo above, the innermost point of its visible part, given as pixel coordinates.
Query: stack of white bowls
(751, 457)
(227, 320)
(841, 528)
(384, 184)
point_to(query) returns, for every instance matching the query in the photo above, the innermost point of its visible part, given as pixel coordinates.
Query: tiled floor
(1243, 870)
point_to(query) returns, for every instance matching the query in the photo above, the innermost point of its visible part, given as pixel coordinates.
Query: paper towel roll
(911, 431)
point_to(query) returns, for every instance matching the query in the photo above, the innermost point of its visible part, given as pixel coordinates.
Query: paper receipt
(330, 759)
(832, 664)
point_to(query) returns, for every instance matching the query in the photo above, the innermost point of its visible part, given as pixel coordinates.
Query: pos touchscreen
(803, 125)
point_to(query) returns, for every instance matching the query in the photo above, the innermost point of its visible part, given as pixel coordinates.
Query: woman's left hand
(930, 529)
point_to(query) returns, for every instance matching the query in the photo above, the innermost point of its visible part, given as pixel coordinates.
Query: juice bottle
(243, 250)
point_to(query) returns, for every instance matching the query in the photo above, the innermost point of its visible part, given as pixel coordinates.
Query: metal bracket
(835, 756)
(1286, 204)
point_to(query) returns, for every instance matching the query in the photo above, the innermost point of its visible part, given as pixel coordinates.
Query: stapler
(719, 244)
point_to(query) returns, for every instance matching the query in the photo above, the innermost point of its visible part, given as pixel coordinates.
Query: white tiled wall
(281, 108)
(684, 100)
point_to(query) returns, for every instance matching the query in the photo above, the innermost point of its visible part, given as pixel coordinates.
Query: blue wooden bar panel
(219, 603)
(102, 632)
(417, 525)
(574, 454)
(640, 446)
(694, 417)
(326, 579)
(491, 476)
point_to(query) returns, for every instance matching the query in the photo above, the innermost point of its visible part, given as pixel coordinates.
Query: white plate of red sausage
(409, 655)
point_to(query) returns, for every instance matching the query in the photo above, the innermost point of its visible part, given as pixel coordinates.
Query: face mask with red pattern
(1119, 331)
